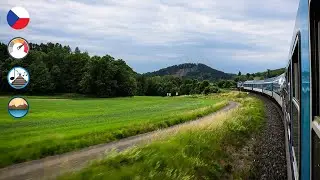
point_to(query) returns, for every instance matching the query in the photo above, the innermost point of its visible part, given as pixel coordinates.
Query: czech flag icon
(18, 18)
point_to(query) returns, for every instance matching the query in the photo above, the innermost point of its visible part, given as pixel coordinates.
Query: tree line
(160, 85)
(55, 69)
(259, 75)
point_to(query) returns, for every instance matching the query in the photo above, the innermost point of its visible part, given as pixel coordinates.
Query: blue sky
(231, 35)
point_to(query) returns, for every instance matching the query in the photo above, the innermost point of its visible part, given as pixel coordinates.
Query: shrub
(210, 89)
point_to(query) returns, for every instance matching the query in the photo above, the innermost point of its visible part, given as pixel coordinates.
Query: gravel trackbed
(269, 149)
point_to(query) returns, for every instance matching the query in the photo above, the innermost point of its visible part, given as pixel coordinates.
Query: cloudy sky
(229, 35)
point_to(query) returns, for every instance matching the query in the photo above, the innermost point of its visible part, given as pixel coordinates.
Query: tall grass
(55, 126)
(205, 151)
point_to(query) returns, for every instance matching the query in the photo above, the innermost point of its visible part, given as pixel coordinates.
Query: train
(297, 92)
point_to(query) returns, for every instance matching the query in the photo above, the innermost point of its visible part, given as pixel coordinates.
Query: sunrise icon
(18, 107)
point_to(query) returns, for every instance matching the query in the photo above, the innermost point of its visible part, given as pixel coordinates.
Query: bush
(210, 89)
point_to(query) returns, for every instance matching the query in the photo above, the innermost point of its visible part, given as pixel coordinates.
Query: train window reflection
(296, 73)
(288, 90)
(315, 58)
(296, 132)
(295, 87)
(315, 54)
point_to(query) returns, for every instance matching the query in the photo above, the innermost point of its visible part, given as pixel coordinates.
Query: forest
(57, 69)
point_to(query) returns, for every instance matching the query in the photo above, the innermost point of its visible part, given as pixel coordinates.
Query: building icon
(19, 82)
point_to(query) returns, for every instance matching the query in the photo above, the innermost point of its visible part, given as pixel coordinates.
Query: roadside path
(53, 166)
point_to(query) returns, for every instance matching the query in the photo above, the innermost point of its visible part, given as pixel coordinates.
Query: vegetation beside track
(210, 150)
(56, 125)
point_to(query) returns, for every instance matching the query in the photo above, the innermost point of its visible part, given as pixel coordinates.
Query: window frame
(314, 35)
(295, 101)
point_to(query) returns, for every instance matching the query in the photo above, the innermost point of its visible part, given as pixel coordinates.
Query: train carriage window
(288, 99)
(296, 132)
(295, 101)
(315, 50)
(315, 156)
(296, 77)
(315, 77)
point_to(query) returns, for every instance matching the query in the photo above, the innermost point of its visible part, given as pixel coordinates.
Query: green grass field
(57, 125)
(209, 150)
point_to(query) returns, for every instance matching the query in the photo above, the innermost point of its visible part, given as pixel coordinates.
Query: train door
(315, 74)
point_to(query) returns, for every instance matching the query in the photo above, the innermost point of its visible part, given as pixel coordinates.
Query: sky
(17, 102)
(228, 35)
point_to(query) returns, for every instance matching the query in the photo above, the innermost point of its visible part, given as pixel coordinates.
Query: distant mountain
(193, 71)
(19, 107)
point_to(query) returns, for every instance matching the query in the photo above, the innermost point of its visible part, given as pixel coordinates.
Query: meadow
(56, 125)
(215, 149)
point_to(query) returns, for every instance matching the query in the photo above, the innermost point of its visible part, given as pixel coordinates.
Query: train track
(270, 160)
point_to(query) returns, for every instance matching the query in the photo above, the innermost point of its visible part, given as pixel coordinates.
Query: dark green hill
(193, 71)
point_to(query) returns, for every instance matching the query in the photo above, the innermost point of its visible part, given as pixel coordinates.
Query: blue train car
(297, 91)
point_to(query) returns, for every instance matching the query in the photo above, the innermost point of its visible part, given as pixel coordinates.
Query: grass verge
(56, 126)
(205, 151)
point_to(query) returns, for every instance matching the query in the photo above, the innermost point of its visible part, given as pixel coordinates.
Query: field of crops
(57, 125)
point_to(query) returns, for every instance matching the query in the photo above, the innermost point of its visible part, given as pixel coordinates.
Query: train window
(315, 156)
(296, 132)
(315, 77)
(296, 73)
(288, 100)
(315, 50)
(295, 105)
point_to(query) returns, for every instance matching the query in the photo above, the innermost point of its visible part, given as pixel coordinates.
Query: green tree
(124, 76)
(142, 85)
(268, 73)
(221, 84)
(203, 85)
(210, 89)
(98, 78)
(41, 81)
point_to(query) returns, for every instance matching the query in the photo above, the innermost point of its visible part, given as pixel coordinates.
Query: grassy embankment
(211, 150)
(56, 125)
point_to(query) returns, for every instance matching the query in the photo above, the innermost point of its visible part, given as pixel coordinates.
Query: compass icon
(18, 48)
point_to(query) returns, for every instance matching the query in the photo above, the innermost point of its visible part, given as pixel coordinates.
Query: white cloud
(106, 26)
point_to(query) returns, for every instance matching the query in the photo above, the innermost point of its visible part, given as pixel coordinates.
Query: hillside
(272, 73)
(193, 71)
(262, 75)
